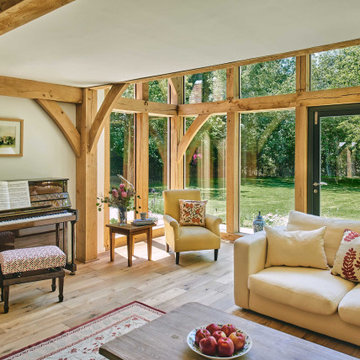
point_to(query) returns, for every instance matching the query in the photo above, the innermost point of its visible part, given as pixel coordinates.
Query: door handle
(318, 184)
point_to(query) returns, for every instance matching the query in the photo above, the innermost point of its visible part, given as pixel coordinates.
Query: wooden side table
(130, 231)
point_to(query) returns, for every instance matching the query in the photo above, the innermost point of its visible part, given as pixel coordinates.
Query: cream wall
(46, 151)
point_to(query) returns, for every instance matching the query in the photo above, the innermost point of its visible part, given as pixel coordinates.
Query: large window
(267, 167)
(268, 78)
(122, 152)
(158, 164)
(206, 87)
(335, 68)
(205, 164)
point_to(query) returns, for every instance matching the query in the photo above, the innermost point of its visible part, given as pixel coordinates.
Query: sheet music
(19, 194)
(4, 196)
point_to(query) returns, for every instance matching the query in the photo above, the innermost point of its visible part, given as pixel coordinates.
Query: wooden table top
(129, 227)
(165, 338)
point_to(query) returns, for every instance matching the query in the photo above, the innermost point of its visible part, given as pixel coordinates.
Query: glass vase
(122, 215)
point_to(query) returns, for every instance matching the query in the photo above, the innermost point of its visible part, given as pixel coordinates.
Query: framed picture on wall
(11, 137)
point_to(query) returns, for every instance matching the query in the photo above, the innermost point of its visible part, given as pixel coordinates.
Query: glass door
(334, 161)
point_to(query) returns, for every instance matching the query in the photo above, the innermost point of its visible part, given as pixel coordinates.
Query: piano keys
(50, 212)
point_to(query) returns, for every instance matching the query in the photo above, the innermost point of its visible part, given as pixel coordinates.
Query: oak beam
(261, 103)
(30, 89)
(104, 112)
(86, 181)
(25, 11)
(142, 152)
(232, 153)
(143, 106)
(63, 122)
(190, 134)
(176, 92)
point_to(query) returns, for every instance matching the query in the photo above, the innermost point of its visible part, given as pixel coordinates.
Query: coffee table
(165, 339)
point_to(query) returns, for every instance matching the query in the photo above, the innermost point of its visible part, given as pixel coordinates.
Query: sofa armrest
(213, 224)
(249, 258)
(172, 230)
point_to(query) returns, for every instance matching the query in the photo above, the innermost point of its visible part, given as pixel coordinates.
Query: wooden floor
(101, 286)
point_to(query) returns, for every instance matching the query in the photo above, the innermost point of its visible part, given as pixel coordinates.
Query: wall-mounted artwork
(11, 137)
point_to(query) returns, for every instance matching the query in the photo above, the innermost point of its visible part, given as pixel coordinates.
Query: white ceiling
(90, 42)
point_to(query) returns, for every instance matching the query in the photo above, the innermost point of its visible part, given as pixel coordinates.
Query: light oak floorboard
(101, 286)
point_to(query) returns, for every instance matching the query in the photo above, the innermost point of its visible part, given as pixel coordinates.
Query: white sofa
(307, 297)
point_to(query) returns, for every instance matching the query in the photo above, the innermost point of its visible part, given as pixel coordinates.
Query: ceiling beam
(25, 11)
(143, 106)
(306, 51)
(105, 110)
(57, 114)
(30, 89)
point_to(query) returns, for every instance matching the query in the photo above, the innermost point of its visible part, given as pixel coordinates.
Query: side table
(130, 231)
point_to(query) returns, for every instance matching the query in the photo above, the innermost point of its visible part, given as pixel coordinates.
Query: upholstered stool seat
(31, 264)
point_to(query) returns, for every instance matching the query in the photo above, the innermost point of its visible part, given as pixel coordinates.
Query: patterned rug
(83, 341)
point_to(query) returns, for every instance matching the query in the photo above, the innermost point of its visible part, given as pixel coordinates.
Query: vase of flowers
(120, 197)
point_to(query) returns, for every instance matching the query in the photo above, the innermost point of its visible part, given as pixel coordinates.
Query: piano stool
(31, 264)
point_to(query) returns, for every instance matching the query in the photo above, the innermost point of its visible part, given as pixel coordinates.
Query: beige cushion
(307, 289)
(334, 229)
(171, 201)
(196, 238)
(347, 259)
(349, 307)
(296, 248)
(192, 212)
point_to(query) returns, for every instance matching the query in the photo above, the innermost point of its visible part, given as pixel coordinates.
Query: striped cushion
(28, 259)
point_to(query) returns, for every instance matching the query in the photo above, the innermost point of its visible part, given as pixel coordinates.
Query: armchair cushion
(196, 238)
(192, 212)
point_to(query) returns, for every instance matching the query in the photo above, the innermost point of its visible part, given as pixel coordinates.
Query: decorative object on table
(83, 341)
(216, 341)
(177, 236)
(143, 216)
(146, 221)
(258, 223)
(120, 198)
(11, 137)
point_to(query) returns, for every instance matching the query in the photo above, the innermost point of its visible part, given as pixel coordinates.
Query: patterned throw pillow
(347, 259)
(192, 212)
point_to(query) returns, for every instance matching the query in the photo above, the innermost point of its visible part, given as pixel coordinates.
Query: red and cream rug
(83, 341)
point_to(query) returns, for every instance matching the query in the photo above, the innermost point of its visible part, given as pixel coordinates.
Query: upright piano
(49, 213)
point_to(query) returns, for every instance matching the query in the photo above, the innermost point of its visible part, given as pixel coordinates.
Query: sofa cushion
(347, 259)
(307, 289)
(349, 307)
(296, 248)
(192, 212)
(334, 229)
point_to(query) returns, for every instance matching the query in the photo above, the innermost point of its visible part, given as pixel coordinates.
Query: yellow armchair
(188, 238)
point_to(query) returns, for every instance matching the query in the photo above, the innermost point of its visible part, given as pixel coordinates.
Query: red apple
(208, 345)
(238, 339)
(218, 334)
(225, 347)
(212, 328)
(228, 329)
(201, 334)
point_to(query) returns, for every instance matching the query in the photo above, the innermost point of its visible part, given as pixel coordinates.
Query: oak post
(232, 154)
(301, 133)
(142, 152)
(86, 181)
(176, 90)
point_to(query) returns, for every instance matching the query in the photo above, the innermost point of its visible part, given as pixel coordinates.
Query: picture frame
(11, 137)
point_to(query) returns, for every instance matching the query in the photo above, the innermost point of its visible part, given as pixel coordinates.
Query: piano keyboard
(34, 218)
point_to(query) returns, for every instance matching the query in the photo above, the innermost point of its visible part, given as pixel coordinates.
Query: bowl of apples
(219, 341)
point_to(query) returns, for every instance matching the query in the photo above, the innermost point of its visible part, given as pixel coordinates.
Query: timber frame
(90, 122)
